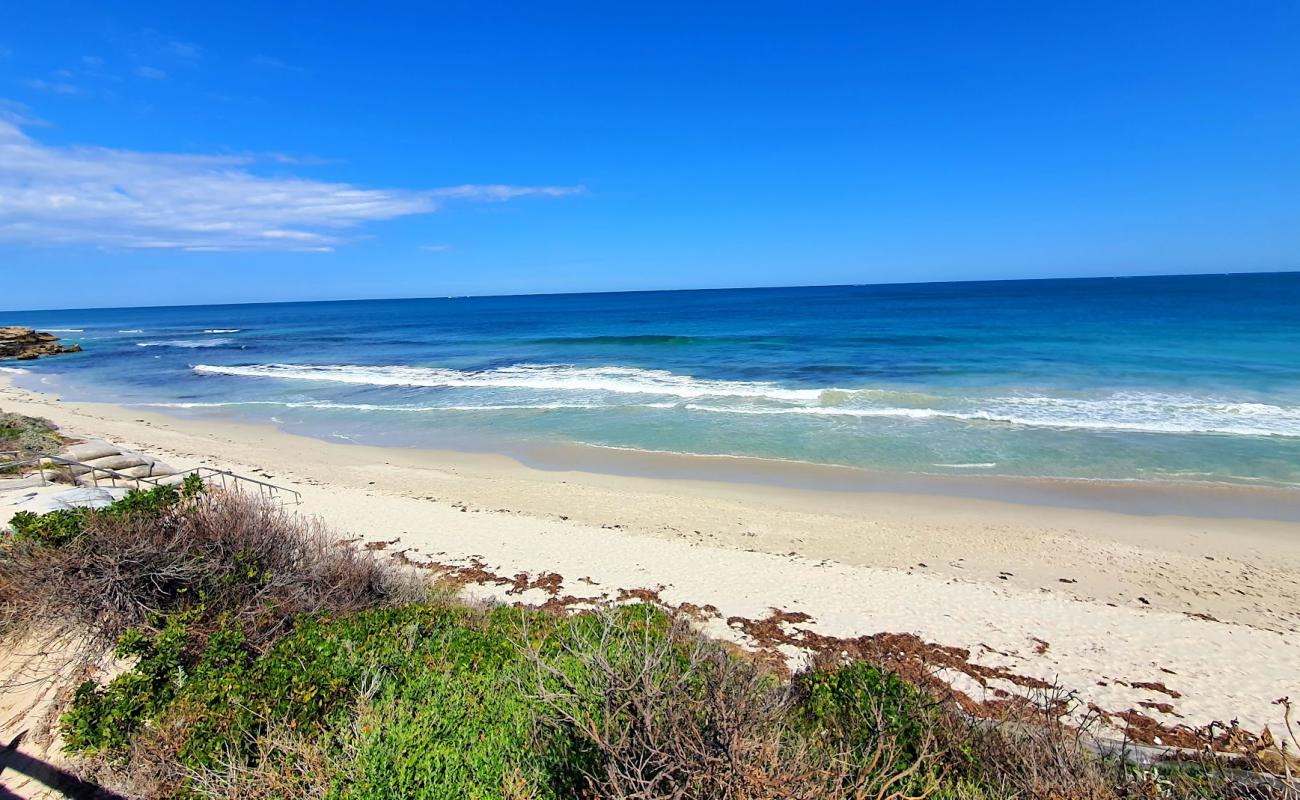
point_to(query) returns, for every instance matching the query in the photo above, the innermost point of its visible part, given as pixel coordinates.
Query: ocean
(1165, 379)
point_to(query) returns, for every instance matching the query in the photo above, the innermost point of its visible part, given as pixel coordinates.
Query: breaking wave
(572, 387)
(186, 343)
(616, 380)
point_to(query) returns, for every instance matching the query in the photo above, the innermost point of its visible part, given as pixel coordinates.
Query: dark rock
(25, 344)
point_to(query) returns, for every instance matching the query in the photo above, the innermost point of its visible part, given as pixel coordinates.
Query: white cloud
(435, 248)
(152, 73)
(501, 191)
(129, 199)
(54, 87)
(271, 62)
(18, 113)
(182, 49)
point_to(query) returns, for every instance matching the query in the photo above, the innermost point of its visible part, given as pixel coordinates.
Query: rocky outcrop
(25, 344)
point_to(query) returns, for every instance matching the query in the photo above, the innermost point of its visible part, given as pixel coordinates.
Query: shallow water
(1192, 378)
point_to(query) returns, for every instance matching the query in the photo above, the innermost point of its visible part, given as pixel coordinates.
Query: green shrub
(145, 501)
(28, 435)
(428, 699)
(457, 725)
(58, 527)
(103, 719)
(192, 486)
(870, 715)
(51, 529)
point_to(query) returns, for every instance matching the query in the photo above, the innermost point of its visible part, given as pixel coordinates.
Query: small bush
(860, 702)
(425, 698)
(29, 436)
(153, 501)
(58, 527)
(151, 556)
(48, 530)
(103, 720)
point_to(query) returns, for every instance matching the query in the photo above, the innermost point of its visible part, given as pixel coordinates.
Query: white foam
(223, 330)
(132, 330)
(15, 370)
(64, 330)
(617, 380)
(186, 343)
(412, 409)
(1149, 415)
(600, 387)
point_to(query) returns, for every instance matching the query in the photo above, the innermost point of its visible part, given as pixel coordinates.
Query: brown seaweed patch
(642, 594)
(1155, 687)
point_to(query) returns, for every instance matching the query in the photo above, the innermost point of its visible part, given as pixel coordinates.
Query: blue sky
(231, 152)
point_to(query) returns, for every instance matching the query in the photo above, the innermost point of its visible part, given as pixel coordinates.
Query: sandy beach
(1185, 619)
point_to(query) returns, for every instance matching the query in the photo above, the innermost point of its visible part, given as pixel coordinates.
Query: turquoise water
(1192, 378)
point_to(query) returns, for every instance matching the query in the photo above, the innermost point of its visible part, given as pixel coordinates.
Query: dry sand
(1095, 600)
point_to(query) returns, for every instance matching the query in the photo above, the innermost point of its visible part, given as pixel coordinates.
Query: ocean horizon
(1170, 379)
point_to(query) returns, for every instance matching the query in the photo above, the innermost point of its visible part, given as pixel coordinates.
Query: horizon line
(658, 291)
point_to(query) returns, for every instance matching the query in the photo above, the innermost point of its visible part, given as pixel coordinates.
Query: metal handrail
(206, 474)
(40, 460)
(265, 489)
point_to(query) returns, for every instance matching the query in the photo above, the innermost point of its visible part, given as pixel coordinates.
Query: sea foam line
(617, 380)
(1285, 423)
(185, 343)
(377, 407)
(1124, 411)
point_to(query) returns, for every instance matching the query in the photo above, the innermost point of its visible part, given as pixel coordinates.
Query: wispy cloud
(182, 49)
(152, 73)
(499, 191)
(53, 87)
(435, 248)
(271, 62)
(130, 199)
(18, 113)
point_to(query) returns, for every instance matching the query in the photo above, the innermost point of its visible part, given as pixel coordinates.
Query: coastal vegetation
(23, 438)
(260, 656)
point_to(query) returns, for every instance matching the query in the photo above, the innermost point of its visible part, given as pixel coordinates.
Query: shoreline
(1137, 496)
(1208, 606)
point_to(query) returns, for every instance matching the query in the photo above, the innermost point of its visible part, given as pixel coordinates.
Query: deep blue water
(1167, 378)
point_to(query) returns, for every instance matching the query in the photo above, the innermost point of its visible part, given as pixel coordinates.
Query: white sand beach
(1204, 611)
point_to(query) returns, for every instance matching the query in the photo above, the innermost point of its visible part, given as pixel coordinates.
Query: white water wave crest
(186, 343)
(601, 388)
(223, 330)
(412, 409)
(559, 377)
(1138, 412)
